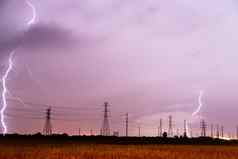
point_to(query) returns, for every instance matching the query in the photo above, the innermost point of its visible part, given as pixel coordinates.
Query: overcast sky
(146, 57)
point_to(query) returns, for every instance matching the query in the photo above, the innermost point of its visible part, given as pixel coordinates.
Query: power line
(74, 119)
(27, 111)
(23, 117)
(63, 108)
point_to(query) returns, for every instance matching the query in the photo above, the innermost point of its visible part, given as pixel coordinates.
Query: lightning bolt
(199, 104)
(4, 92)
(33, 19)
(9, 69)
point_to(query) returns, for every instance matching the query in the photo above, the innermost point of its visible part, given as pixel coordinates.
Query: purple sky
(147, 57)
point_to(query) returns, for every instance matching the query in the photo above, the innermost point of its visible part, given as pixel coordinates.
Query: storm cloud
(37, 37)
(148, 58)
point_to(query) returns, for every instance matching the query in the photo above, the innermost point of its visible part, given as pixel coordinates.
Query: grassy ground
(71, 151)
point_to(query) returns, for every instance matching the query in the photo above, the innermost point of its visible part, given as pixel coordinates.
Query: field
(94, 151)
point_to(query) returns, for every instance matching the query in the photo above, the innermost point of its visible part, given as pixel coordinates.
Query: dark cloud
(2, 3)
(8, 45)
(38, 37)
(47, 36)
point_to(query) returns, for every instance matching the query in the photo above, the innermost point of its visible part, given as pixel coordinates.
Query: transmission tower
(101, 131)
(212, 133)
(203, 127)
(237, 132)
(185, 128)
(127, 118)
(161, 127)
(222, 131)
(79, 132)
(139, 131)
(158, 131)
(170, 132)
(177, 133)
(217, 131)
(191, 130)
(48, 126)
(105, 125)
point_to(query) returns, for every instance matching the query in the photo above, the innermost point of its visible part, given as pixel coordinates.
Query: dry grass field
(71, 151)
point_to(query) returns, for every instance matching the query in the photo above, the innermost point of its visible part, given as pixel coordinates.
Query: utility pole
(105, 126)
(47, 130)
(170, 132)
(127, 118)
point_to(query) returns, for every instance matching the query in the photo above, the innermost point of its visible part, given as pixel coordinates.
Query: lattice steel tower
(203, 126)
(217, 131)
(105, 125)
(212, 131)
(127, 118)
(161, 127)
(48, 126)
(222, 131)
(237, 132)
(170, 131)
(185, 129)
